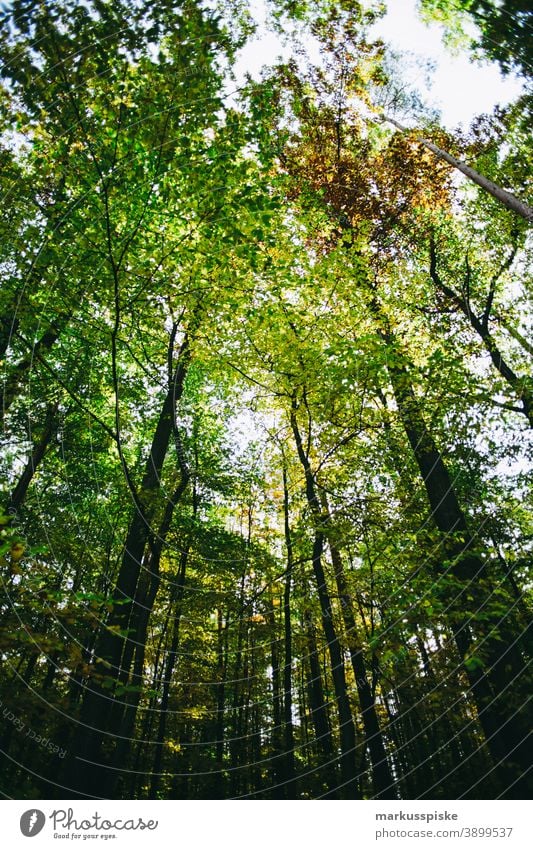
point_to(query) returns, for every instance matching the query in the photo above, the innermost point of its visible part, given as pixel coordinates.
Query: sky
(460, 88)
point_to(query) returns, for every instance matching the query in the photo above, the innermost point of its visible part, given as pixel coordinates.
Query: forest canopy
(267, 399)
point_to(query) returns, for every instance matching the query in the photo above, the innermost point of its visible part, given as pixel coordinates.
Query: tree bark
(349, 771)
(16, 374)
(113, 656)
(288, 729)
(317, 704)
(168, 667)
(39, 450)
(506, 728)
(276, 737)
(382, 776)
(504, 197)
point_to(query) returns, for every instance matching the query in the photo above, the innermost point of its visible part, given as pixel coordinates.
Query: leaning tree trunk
(39, 449)
(17, 373)
(504, 723)
(504, 197)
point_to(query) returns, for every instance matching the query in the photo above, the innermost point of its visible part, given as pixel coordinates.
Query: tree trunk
(276, 737)
(383, 780)
(13, 382)
(218, 785)
(503, 196)
(113, 655)
(317, 705)
(288, 729)
(506, 731)
(349, 772)
(39, 449)
(168, 667)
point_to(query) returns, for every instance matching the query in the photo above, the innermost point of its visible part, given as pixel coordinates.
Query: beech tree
(265, 507)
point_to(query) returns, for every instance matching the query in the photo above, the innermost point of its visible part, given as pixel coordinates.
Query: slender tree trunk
(239, 676)
(18, 371)
(137, 787)
(383, 780)
(288, 729)
(253, 723)
(504, 197)
(9, 325)
(276, 737)
(222, 666)
(168, 667)
(39, 449)
(349, 772)
(317, 705)
(451, 739)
